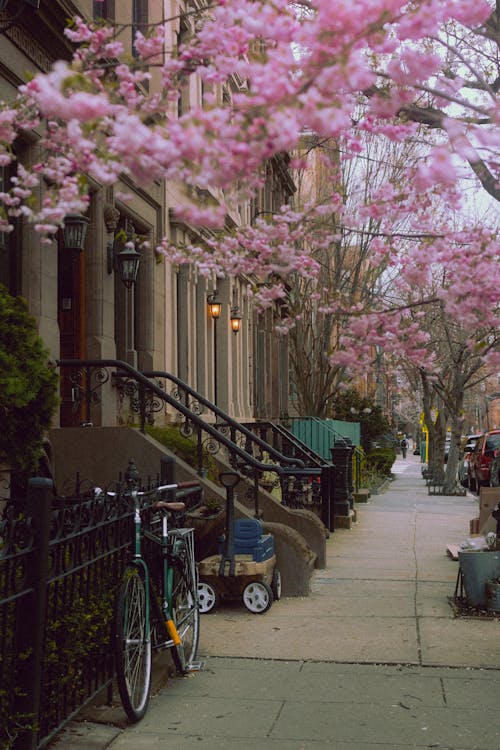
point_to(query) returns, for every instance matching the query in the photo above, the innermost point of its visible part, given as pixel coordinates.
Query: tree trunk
(451, 484)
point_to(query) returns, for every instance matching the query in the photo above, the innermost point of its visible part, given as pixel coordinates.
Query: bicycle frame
(167, 570)
(165, 618)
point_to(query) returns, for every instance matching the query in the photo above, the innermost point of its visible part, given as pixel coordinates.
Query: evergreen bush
(184, 447)
(381, 460)
(28, 387)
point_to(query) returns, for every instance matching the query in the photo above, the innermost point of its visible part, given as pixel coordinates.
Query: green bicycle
(157, 606)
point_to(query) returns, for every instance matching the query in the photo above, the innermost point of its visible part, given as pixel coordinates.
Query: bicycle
(156, 615)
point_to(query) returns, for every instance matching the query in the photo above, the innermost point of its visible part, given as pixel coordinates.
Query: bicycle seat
(174, 507)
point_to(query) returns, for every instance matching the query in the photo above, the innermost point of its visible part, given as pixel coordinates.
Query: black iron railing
(61, 559)
(301, 484)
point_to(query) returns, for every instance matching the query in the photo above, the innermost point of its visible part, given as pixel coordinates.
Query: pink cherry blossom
(346, 71)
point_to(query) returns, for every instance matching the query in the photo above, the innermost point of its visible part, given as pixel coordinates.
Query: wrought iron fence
(61, 559)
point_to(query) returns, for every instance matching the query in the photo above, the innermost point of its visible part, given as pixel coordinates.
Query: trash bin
(478, 566)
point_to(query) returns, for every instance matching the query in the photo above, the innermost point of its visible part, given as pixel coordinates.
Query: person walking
(404, 446)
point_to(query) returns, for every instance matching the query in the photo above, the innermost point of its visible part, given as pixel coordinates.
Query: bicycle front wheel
(186, 613)
(133, 645)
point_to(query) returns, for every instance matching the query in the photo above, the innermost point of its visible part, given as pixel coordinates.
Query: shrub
(28, 387)
(184, 447)
(381, 460)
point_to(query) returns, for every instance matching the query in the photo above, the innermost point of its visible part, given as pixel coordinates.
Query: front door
(71, 317)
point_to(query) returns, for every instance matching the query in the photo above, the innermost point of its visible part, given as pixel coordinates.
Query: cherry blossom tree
(385, 67)
(456, 369)
(339, 236)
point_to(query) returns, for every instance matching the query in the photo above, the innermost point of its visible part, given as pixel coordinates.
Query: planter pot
(478, 567)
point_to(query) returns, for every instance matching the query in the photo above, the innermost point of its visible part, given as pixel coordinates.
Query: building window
(139, 20)
(103, 11)
(183, 102)
(9, 244)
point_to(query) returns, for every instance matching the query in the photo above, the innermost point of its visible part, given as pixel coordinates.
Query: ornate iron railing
(213, 431)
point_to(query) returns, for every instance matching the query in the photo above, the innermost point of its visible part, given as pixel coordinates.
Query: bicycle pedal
(195, 666)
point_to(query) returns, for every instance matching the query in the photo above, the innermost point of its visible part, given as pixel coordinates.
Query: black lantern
(235, 319)
(214, 305)
(74, 231)
(127, 264)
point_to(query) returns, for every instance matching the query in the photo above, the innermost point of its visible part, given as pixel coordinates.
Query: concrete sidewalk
(372, 659)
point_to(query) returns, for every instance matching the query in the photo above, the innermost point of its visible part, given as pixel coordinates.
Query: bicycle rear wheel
(133, 645)
(185, 609)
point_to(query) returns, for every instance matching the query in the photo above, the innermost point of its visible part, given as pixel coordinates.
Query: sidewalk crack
(276, 719)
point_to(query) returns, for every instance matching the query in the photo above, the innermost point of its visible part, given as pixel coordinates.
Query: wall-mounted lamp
(235, 319)
(122, 256)
(214, 306)
(74, 231)
(125, 262)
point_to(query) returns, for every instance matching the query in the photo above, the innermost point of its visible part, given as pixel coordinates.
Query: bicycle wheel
(185, 608)
(133, 645)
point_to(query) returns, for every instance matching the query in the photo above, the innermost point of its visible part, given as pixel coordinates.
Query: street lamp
(235, 319)
(74, 231)
(124, 261)
(214, 308)
(127, 264)
(214, 305)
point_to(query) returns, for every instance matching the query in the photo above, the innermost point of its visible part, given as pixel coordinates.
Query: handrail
(227, 419)
(179, 406)
(293, 440)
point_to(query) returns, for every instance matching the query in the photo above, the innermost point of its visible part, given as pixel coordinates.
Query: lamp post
(214, 308)
(124, 259)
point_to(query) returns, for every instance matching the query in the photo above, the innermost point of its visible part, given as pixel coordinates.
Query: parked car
(481, 458)
(463, 466)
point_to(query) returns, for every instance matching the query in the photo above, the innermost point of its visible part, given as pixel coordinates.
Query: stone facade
(162, 322)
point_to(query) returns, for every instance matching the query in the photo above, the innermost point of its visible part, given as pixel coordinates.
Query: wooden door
(71, 317)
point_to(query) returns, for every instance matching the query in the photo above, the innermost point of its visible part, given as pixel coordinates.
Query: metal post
(32, 615)
(327, 497)
(341, 456)
(350, 484)
(142, 405)
(229, 480)
(199, 450)
(167, 470)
